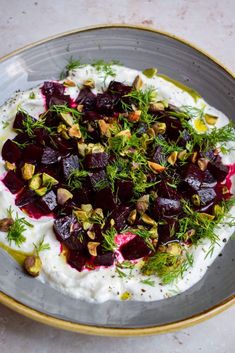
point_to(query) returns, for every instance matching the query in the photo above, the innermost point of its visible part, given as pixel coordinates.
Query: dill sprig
(109, 239)
(146, 235)
(105, 68)
(16, 230)
(29, 124)
(167, 266)
(74, 64)
(41, 246)
(64, 109)
(148, 282)
(76, 178)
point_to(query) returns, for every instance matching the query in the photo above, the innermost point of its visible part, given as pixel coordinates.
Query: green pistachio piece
(35, 182)
(48, 180)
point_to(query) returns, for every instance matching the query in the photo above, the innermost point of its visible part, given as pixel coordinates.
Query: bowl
(138, 48)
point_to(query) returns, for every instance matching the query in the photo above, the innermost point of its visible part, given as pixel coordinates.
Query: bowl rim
(38, 316)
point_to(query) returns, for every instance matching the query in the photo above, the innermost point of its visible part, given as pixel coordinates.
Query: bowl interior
(136, 48)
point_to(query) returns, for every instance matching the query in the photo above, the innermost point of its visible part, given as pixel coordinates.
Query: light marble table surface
(210, 24)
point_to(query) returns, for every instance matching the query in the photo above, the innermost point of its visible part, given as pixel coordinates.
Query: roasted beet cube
(25, 197)
(140, 128)
(13, 182)
(96, 160)
(83, 195)
(206, 195)
(105, 103)
(164, 189)
(173, 127)
(19, 121)
(69, 164)
(209, 180)
(119, 88)
(54, 94)
(63, 146)
(167, 230)
(120, 215)
(92, 116)
(97, 178)
(48, 202)
(76, 260)
(218, 170)
(105, 199)
(124, 190)
(32, 153)
(135, 249)
(87, 98)
(158, 156)
(193, 176)
(106, 259)
(41, 136)
(11, 152)
(165, 207)
(49, 156)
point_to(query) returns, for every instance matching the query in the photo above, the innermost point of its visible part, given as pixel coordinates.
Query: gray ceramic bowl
(137, 48)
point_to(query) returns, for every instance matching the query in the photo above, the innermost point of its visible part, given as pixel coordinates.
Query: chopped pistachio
(132, 217)
(82, 147)
(63, 195)
(196, 200)
(148, 220)
(27, 171)
(80, 108)
(74, 131)
(194, 157)
(202, 163)
(87, 207)
(62, 129)
(48, 180)
(159, 128)
(183, 155)
(125, 133)
(134, 117)
(189, 234)
(41, 191)
(217, 210)
(81, 215)
(150, 72)
(90, 83)
(69, 83)
(91, 234)
(142, 204)
(5, 224)
(211, 119)
(151, 133)
(33, 265)
(156, 107)
(138, 83)
(105, 128)
(206, 215)
(35, 182)
(10, 166)
(172, 158)
(155, 167)
(68, 119)
(92, 247)
(174, 248)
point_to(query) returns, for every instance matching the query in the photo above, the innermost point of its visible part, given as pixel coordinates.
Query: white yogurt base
(104, 284)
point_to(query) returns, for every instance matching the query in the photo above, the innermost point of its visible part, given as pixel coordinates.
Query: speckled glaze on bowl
(137, 48)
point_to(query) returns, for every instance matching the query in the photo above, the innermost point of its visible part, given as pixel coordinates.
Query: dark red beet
(98, 177)
(83, 195)
(119, 88)
(69, 164)
(49, 156)
(105, 103)
(96, 160)
(48, 202)
(11, 152)
(63, 146)
(193, 176)
(105, 199)
(92, 116)
(167, 230)
(158, 156)
(164, 207)
(25, 197)
(41, 136)
(87, 99)
(124, 190)
(104, 259)
(206, 195)
(54, 94)
(135, 249)
(209, 181)
(173, 127)
(120, 215)
(165, 190)
(218, 170)
(32, 153)
(140, 128)
(12, 182)
(19, 121)
(76, 260)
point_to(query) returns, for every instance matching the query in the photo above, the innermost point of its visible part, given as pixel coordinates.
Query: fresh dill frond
(121, 274)
(5, 124)
(144, 234)
(29, 124)
(21, 145)
(167, 266)
(74, 64)
(105, 67)
(76, 178)
(41, 246)
(109, 240)
(148, 282)
(101, 184)
(17, 229)
(64, 109)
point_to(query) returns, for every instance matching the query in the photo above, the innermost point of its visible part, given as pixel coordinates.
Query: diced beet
(164, 207)
(87, 98)
(19, 121)
(59, 100)
(105, 103)
(158, 156)
(208, 181)
(193, 176)
(96, 228)
(11, 152)
(50, 156)
(124, 190)
(22, 138)
(69, 164)
(206, 195)
(83, 195)
(104, 259)
(119, 88)
(218, 170)
(173, 127)
(140, 128)
(120, 215)
(54, 94)
(135, 249)
(63, 146)
(105, 199)
(184, 138)
(167, 230)
(165, 190)
(26, 197)
(96, 160)
(76, 260)
(32, 153)
(70, 232)
(41, 136)
(98, 177)
(12, 182)
(92, 116)
(48, 202)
